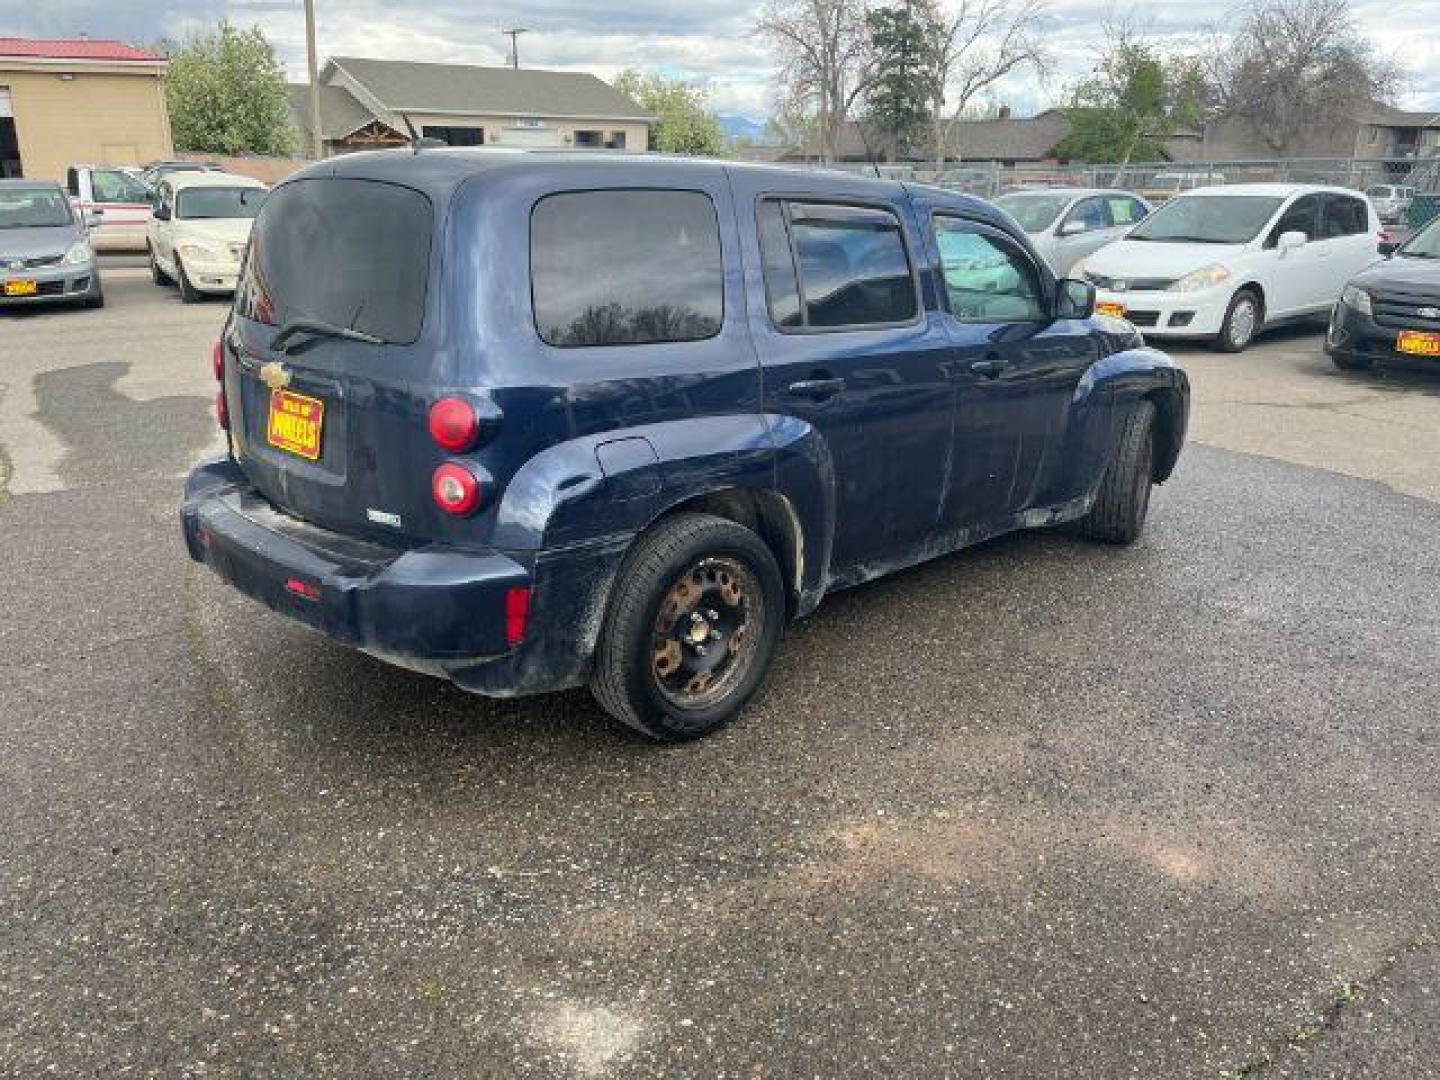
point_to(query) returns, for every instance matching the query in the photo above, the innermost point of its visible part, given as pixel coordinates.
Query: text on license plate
(21, 288)
(1110, 307)
(1417, 343)
(295, 422)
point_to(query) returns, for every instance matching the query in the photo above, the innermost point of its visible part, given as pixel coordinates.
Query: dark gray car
(45, 253)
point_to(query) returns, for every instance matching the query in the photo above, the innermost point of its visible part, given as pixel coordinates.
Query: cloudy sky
(704, 40)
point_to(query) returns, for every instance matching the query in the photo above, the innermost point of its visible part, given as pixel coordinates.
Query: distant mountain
(741, 127)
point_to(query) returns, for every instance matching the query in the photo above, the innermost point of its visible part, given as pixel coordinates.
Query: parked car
(535, 421)
(971, 181)
(119, 200)
(153, 173)
(199, 228)
(45, 254)
(1225, 263)
(1391, 201)
(1392, 309)
(1065, 226)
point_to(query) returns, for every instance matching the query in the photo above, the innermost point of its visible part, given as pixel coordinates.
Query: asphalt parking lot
(1039, 809)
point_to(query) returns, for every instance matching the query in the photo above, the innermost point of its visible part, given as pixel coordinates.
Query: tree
(1295, 65)
(683, 124)
(226, 93)
(1136, 99)
(825, 62)
(973, 46)
(897, 100)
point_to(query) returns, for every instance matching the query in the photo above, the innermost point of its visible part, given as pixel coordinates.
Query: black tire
(158, 276)
(1118, 516)
(1238, 330)
(188, 293)
(714, 558)
(96, 301)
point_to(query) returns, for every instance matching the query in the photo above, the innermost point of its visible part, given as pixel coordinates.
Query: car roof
(1272, 189)
(18, 184)
(1076, 193)
(188, 179)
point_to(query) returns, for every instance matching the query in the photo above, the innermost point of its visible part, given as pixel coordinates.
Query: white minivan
(1223, 263)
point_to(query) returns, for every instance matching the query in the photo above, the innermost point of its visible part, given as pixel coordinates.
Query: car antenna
(419, 142)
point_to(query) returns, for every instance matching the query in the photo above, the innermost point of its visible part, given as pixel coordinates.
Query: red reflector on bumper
(517, 614)
(306, 590)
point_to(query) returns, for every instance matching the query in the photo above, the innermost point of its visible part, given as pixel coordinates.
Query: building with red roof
(66, 102)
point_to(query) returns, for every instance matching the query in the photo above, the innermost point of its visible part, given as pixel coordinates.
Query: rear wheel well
(766, 513)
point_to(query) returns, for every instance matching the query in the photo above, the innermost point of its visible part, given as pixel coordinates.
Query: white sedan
(1224, 263)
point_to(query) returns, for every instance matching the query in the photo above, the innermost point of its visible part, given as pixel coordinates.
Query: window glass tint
(355, 253)
(626, 267)
(1344, 216)
(117, 187)
(1033, 213)
(1302, 216)
(781, 287)
(33, 208)
(198, 203)
(986, 279)
(1124, 210)
(853, 266)
(1090, 215)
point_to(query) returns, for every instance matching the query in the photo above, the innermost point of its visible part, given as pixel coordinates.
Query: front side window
(851, 266)
(1089, 215)
(353, 253)
(202, 203)
(1033, 213)
(1303, 216)
(113, 186)
(626, 268)
(986, 279)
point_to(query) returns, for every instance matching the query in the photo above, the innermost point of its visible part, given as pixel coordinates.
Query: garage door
(530, 137)
(5, 108)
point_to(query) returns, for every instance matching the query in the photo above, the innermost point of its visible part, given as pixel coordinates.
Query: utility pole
(317, 136)
(514, 35)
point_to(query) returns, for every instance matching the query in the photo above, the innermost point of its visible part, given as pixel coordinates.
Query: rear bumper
(439, 610)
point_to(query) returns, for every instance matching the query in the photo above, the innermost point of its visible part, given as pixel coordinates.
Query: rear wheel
(188, 293)
(693, 624)
(1242, 322)
(1118, 516)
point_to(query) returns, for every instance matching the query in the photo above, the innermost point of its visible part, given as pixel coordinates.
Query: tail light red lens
(217, 362)
(454, 425)
(455, 488)
(222, 411)
(517, 614)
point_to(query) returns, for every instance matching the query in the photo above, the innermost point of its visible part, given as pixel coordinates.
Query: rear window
(626, 268)
(355, 253)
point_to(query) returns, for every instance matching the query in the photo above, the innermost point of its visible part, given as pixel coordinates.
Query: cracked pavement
(1038, 809)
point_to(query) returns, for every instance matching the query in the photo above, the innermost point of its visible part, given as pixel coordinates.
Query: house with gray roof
(370, 104)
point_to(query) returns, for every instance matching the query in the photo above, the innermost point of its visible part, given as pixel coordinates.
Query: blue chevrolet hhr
(532, 421)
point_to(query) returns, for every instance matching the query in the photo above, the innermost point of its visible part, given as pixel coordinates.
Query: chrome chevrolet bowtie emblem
(1428, 313)
(275, 375)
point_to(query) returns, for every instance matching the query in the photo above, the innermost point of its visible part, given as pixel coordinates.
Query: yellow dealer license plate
(295, 422)
(1110, 307)
(21, 288)
(1418, 344)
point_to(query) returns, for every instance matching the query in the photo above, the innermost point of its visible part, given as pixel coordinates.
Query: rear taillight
(222, 411)
(456, 489)
(217, 362)
(454, 425)
(517, 614)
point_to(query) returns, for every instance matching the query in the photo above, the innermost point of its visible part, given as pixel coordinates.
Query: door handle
(988, 368)
(817, 389)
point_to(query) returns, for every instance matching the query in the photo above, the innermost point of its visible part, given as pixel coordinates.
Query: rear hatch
(331, 428)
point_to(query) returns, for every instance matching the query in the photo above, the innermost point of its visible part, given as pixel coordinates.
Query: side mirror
(1289, 241)
(1072, 227)
(1387, 247)
(1074, 299)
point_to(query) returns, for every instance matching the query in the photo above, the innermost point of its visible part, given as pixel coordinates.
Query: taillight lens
(222, 411)
(455, 488)
(454, 425)
(517, 614)
(217, 362)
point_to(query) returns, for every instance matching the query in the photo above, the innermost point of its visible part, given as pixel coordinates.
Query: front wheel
(188, 293)
(692, 626)
(1242, 322)
(1118, 516)
(158, 276)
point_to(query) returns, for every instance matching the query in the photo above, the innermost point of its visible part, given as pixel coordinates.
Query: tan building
(366, 104)
(64, 103)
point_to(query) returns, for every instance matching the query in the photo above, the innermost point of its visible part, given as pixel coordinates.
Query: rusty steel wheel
(702, 642)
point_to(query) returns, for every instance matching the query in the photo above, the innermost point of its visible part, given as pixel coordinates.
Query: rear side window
(1125, 210)
(1090, 214)
(852, 266)
(354, 253)
(1344, 216)
(626, 268)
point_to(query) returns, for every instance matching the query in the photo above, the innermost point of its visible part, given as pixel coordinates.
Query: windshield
(1033, 213)
(34, 208)
(1209, 219)
(1425, 244)
(353, 253)
(201, 203)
